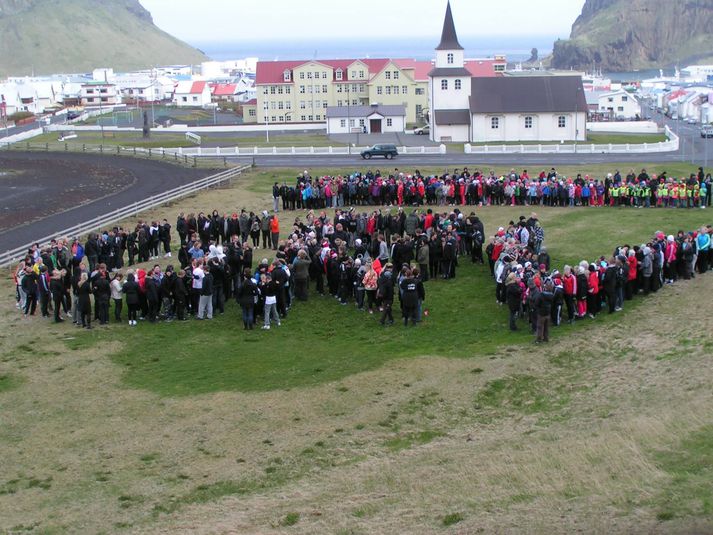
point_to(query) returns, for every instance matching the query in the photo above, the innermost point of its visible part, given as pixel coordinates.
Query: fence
(165, 155)
(102, 221)
(671, 145)
(290, 151)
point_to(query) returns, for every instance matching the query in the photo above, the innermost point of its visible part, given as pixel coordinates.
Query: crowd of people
(370, 257)
(475, 188)
(533, 290)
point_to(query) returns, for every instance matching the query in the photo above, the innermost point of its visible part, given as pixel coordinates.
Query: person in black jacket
(513, 295)
(131, 290)
(84, 302)
(102, 294)
(543, 304)
(610, 279)
(151, 287)
(57, 291)
(385, 292)
(43, 286)
(180, 295)
(409, 298)
(246, 297)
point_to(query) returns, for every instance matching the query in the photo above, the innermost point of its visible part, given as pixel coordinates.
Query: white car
(422, 130)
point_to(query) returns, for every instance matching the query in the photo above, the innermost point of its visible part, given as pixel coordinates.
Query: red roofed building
(191, 94)
(301, 91)
(224, 92)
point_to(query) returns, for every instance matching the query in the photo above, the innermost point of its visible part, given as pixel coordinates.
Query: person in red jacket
(631, 286)
(569, 284)
(593, 292)
(670, 252)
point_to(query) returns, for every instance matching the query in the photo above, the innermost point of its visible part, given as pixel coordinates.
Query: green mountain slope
(623, 35)
(65, 36)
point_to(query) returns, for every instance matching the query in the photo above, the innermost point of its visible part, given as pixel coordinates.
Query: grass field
(332, 424)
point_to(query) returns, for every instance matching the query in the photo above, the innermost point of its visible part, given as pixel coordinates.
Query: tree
(147, 128)
(534, 56)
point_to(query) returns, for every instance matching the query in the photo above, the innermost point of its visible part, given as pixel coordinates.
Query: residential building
(192, 94)
(250, 111)
(374, 119)
(99, 93)
(619, 105)
(467, 108)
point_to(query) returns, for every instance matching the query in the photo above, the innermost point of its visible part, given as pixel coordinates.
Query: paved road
(152, 178)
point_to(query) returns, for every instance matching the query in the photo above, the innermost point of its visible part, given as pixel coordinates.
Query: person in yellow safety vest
(682, 195)
(615, 195)
(674, 195)
(689, 193)
(696, 196)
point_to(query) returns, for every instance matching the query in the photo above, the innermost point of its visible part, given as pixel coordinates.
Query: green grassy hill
(59, 36)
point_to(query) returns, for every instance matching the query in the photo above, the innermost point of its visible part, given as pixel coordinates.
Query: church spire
(449, 39)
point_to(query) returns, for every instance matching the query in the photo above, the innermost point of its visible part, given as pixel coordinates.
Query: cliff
(69, 36)
(626, 35)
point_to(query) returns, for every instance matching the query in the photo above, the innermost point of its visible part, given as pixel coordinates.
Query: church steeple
(449, 39)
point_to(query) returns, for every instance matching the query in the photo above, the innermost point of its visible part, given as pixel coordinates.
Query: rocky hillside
(60, 36)
(625, 35)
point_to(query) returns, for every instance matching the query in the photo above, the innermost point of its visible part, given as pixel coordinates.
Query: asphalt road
(151, 178)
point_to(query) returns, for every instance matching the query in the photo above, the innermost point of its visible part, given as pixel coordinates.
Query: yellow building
(301, 91)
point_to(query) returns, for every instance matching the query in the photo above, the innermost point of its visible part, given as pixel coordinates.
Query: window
(286, 76)
(404, 89)
(288, 105)
(184, 99)
(624, 99)
(280, 105)
(419, 110)
(273, 89)
(499, 68)
(389, 122)
(90, 91)
(354, 88)
(303, 118)
(91, 99)
(340, 103)
(449, 59)
(494, 123)
(458, 85)
(264, 90)
(324, 89)
(252, 113)
(343, 123)
(340, 74)
(273, 104)
(361, 74)
(316, 89)
(388, 89)
(620, 108)
(302, 89)
(318, 117)
(310, 89)
(324, 104)
(273, 118)
(362, 122)
(288, 118)
(419, 91)
(387, 75)
(444, 85)
(281, 118)
(610, 99)
(379, 90)
(287, 90)
(528, 122)
(303, 105)
(195, 99)
(396, 90)
(396, 75)
(309, 75)
(302, 76)
(280, 90)
(324, 75)
(562, 122)
(339, 89)
(351, 123)
(102, 91)
(355, 102)
(362, 88)
(309, 104)
(311, 117)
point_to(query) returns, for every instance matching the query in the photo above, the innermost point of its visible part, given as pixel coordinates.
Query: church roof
(449, 39)
(527, 94)
(452, 117)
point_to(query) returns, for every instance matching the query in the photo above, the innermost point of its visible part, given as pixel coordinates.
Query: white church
(466, 109)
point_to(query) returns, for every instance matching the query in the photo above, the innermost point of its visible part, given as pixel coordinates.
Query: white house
(619, 105)
(518, 108)
(374, 119)
(9, 99)
(192, 94)
(99, 94)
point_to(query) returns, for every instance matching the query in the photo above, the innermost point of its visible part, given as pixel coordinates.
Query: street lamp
(267, 130)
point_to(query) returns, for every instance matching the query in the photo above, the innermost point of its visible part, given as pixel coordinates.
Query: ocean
(516, 48)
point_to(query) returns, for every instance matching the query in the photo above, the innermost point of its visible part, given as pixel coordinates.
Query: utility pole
(267, 130)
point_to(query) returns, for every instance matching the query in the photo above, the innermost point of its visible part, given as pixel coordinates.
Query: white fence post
(442, 148)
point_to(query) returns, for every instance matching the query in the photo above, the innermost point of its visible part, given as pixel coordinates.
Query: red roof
(251, 102)
(483, 68)
(273, 72)
(197, 87)
(420, 68)
(223, 90)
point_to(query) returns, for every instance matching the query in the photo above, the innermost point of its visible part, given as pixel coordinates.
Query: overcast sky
(233, 20)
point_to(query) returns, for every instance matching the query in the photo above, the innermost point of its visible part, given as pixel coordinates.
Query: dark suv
(387, 151)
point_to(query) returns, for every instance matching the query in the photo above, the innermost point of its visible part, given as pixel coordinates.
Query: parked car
(707, 131)
(422, 130)
(388, 151)
(691, 120)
